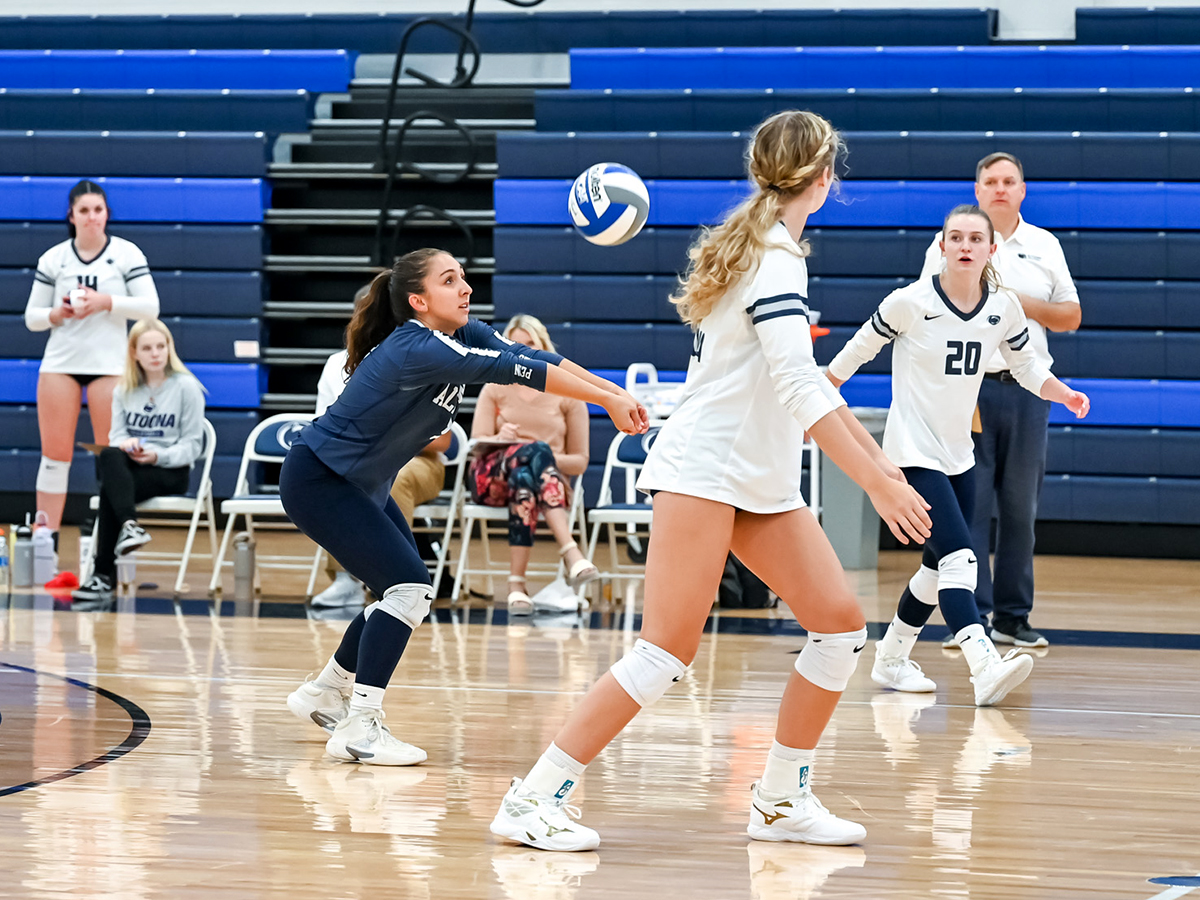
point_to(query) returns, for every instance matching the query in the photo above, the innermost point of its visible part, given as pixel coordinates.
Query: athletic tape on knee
(52, 476)
(958, 570)
(407, 602)
(646, 671)
(828, 660)
(924, 585)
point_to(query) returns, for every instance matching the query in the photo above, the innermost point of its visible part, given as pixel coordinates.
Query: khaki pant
(418, 482)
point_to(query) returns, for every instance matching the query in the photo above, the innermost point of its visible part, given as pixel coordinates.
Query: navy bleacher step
(208, 339)
(1065, 156)
(916, 68)
(179, 292)
(179, 246)
(144, 154)
(250, 70)
(18, 472)
(880, 204)
(42, 198)
(857, 252)
(229, 385)
(585, 298)
(272, 112)
(1036, 109)
(1088, 450)
(594, 345)
(19, 427)
(1146, 25)
(512, 32)
(1100, 498)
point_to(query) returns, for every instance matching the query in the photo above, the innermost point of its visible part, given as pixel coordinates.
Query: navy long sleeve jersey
(406, 392)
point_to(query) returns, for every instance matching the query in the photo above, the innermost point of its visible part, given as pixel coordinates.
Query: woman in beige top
(543, 444)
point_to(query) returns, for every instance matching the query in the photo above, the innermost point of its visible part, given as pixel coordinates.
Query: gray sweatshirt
(168, 420)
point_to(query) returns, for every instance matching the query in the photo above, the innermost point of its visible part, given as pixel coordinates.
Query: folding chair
(443, 508)
(626, 454)
(267, 443)
(491, 515)
(195, 504)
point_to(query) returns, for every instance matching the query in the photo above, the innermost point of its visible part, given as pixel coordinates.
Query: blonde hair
(789, 151)
(990, 276)
(134, 377)
(533, 325)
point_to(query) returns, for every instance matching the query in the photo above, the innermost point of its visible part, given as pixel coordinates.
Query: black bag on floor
(742, 589)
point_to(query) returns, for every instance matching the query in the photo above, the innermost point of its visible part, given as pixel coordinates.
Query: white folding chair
(267, 443)
(493, 516)
(626, 454)
(197, 505)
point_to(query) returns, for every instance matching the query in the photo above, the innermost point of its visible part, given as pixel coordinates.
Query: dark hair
(386, 304)
(989, 275)
(992, 158)
(81, 188)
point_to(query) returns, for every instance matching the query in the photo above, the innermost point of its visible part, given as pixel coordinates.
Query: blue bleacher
(1035, 109)
(142, 154)
(1146, 25)
(250, 70)
(1090, 450)
(229, 385)
(870, 204)
(1096, 498)
(141, 199)
(180, 246)
(512, 32)
(201, 339)
(1060, 156)
(917, 68)
(179, 292)
(156, 110)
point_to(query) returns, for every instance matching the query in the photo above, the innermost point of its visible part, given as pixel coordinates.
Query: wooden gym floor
(146, 752)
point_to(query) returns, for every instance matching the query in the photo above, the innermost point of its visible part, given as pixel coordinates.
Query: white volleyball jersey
(94, 345)
(752, 389)
(938, 363)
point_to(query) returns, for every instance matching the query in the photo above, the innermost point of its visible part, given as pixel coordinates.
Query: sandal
(519, 603)
(582, 572)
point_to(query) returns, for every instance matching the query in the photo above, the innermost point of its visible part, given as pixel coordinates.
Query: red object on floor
(62, 580)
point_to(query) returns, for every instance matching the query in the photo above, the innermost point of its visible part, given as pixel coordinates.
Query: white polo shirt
(1030, 262)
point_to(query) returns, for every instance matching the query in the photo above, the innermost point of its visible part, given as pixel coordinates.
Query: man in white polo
(1010, 450)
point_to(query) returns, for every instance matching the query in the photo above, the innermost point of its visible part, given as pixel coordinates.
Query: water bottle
(3, 561)
(85, 541)
(22, 559)
(243, 566)
(45, 560)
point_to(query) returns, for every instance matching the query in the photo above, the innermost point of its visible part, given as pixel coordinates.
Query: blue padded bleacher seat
(1140, 304)
(583, 298)
(1095, 498)
(1127, 354)
(1035, 109)
(514, 32)
(1087, 450)
(143, 154)
(180, 246)
(1154, 156)
(918, 68)
(592, 344)
(167, 110)
(871, 204)
(42, 198)
(216, 339)
(229, 385)
(251, 70)
(208, 293)
(1149, 25)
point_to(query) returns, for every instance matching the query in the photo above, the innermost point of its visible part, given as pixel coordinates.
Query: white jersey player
(945, 328)
(725, 474)
(85, 291)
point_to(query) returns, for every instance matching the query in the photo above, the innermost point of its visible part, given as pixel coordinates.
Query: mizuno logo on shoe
(770, 818)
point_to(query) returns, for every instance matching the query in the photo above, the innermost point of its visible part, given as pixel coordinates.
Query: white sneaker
(131, 536)
(994, 682)
(363, 737)
(541, 822)
(324, 706)
(900, 674)
(346, 590)
(801, 818)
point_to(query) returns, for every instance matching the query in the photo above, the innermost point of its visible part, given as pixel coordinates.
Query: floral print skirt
(524, 478)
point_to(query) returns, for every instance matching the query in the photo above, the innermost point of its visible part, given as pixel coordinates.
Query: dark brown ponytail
(386, 304)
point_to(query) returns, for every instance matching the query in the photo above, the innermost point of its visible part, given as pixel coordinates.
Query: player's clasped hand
(627, 414)
(903, 509)
(92, 301)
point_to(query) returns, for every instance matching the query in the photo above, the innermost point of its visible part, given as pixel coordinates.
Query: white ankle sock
(786, 773)
(555, 774)
(977, 647)
(366, 698)
(897, 642)
(334, 676)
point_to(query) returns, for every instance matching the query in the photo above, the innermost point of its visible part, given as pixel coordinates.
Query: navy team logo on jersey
(149, 407)
(993, 320)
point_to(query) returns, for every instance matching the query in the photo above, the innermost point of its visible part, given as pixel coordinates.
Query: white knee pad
(958, 570)
(407, 602)
(52, 476)
(924, 585)
(828, 660)
(646, 671)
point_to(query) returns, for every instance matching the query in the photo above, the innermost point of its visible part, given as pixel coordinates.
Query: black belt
(1005, 377)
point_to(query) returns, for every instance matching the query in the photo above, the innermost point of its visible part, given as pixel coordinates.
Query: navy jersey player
(411, 350)
(945, 329)
(725, 474)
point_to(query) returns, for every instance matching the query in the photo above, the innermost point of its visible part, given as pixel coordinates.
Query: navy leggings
(952, 502)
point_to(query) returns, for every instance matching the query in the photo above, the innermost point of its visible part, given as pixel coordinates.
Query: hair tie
(774, 188)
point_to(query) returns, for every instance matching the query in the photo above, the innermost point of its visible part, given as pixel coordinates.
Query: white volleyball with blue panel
(609, 204)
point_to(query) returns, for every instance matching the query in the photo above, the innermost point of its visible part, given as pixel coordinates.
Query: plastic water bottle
(85, 541)
(3, 561)
(243, 566)
(45, 560)
(22, 558)
(127, 568)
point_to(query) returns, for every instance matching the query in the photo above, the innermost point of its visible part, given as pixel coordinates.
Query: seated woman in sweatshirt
(157, 433)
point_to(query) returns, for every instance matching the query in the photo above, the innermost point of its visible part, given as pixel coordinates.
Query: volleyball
(609, 204)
